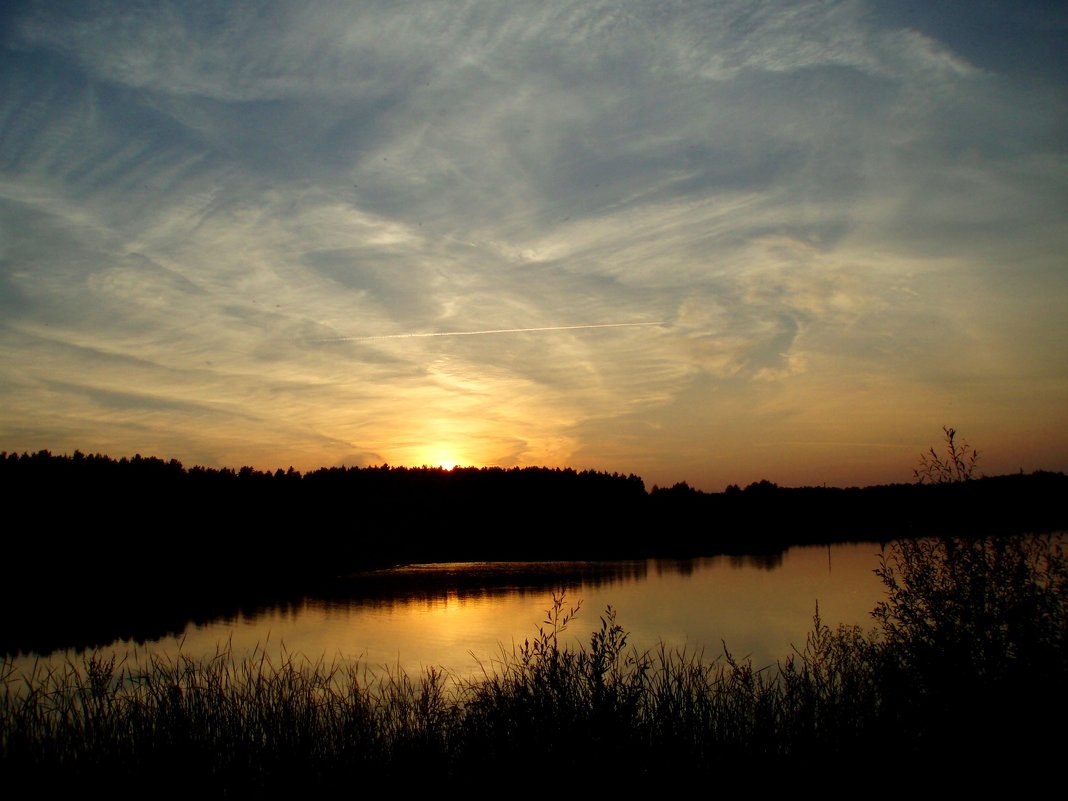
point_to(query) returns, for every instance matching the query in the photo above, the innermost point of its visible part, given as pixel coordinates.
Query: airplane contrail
(486, 331)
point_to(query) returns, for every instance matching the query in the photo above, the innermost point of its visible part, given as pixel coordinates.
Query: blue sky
(847, 220)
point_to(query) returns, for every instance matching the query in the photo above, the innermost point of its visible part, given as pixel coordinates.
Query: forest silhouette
(97, 548)
(956, 684)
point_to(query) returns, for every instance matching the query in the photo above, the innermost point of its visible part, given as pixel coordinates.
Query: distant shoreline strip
(487, 331)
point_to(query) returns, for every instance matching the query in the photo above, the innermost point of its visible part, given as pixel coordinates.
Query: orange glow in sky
(704, 243)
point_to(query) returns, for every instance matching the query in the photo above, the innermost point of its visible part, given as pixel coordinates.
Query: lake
(462, 616)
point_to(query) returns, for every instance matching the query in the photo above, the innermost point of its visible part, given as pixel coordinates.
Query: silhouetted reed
(968, 656)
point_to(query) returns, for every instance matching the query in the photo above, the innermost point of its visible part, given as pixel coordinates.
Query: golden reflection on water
(463, 617)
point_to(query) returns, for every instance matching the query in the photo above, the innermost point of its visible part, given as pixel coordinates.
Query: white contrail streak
(487, 331)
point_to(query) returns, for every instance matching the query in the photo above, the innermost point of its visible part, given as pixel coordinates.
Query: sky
(712, 242)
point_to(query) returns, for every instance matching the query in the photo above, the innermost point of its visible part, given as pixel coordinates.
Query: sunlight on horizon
(443, 457)
(717, 244)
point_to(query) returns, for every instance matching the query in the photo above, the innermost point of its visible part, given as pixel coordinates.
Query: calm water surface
(462, 616)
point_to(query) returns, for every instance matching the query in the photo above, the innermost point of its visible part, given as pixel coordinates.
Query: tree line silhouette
(142, 539)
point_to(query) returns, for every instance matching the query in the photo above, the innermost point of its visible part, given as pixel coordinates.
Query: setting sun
(729, 298)
(444, 459)
(710, 310)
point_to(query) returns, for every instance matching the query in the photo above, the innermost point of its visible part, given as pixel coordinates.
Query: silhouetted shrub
(967, 659)
(958, 464)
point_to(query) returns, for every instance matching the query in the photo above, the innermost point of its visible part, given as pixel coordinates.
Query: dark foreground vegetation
(97, 548)
(961, 682)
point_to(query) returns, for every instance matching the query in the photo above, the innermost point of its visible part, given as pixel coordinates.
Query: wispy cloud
(321, 232)
(537, 330)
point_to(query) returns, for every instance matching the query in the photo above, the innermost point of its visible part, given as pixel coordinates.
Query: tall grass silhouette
(967, 656)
